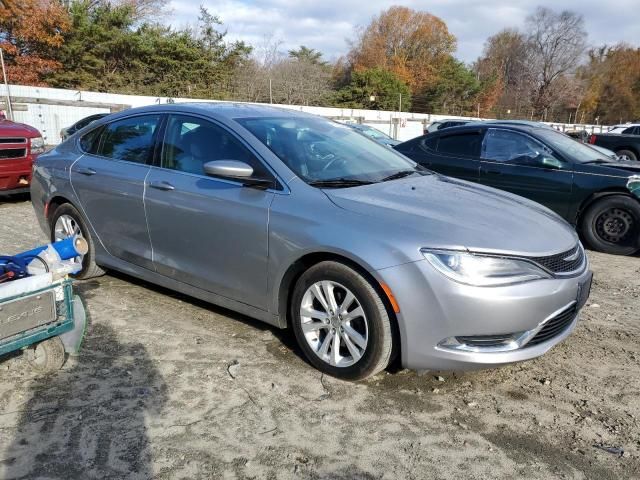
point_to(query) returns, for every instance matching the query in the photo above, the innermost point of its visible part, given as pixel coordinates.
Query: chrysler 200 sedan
(303, 223)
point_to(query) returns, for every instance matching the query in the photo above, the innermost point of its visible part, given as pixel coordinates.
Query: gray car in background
(303, 223)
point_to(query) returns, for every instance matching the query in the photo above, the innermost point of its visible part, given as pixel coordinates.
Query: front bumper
(434, 308)
(15, 175)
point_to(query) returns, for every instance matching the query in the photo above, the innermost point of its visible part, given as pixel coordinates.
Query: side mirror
(236, 170)
(550, 162)
(228, 169)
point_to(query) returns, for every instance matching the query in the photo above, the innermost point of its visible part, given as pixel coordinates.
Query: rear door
(520, 164)
(109, 181)
(453, 153)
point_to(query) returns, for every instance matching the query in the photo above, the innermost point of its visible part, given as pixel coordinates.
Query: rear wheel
(66, 221)
(626, 155)
(340, 322)
(612, 225)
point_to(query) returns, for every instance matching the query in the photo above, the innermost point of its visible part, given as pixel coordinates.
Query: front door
(208, 232)
(520, 164)
(109, 181)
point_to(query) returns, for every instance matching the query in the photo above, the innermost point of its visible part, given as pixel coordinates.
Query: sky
(327, 25)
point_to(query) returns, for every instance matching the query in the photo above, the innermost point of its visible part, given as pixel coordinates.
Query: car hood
(9, 128)
(443, 212)
(613, 167)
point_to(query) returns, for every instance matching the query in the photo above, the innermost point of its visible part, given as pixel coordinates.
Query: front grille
(13, 153)
(13, 140)
(554, 327)
(558, 264)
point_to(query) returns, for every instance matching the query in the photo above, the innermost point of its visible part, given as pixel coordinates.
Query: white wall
(49, 119)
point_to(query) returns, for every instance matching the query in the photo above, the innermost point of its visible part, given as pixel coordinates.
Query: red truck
(20, 144)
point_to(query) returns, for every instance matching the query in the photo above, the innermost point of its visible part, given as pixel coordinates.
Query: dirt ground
(168, 387)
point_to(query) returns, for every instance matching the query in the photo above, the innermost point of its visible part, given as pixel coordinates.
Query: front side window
(319, 150)
(89, 142)
(190, 142)
(463, 144)
(129, 139)
(508, 146)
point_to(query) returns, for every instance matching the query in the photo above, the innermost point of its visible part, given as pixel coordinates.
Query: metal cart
(47, 322)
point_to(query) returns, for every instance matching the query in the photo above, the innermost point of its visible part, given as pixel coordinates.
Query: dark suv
(593, 192)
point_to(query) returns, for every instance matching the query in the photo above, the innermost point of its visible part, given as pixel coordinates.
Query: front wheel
(340, 322)
(626, 155)
(612, 225)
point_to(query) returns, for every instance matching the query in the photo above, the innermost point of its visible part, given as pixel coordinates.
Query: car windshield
(374, 133)
(320, 150)
(574, 149)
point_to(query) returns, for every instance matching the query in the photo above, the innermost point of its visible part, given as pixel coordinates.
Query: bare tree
(557, 43)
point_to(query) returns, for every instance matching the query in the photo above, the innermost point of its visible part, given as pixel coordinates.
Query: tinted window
(629, 131)
(507, 146)
(429, 142)
(190, 142)
(89, 141)
(465, 144)
(130, 139)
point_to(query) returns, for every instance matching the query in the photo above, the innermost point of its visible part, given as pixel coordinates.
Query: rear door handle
(166, 186)
(491, 172)
(86, 171)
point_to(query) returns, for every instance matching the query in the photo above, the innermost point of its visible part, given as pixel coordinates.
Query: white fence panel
(51, 109)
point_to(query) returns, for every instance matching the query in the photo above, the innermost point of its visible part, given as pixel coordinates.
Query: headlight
(482, 270)
(37, 145)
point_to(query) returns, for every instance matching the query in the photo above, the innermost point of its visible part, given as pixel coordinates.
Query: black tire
(627, 153)
(48, 355)
(379, 346)
(612, 225)
(89, 267)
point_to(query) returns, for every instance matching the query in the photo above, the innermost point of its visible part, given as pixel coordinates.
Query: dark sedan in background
(79, 125)
(588, 189)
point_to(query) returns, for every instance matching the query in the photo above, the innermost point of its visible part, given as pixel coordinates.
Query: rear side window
(130, 139)
(429, 142)
(462, 144)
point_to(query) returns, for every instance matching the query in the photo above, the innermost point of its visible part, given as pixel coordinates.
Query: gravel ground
(169, 387)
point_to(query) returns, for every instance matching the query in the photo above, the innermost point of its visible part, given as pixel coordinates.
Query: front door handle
(86, 171)
(166, 186)
(492, 172)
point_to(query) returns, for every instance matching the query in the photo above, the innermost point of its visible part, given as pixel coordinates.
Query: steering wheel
(331, 162)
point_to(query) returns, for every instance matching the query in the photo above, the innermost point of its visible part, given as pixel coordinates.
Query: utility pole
(6, 84)
(270, 93)
(400, 102)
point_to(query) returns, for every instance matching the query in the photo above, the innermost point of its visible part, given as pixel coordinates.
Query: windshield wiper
(339, 183)
(400, 174)
(598, 160)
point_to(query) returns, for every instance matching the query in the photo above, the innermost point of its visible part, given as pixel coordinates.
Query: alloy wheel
(66, 226)
(334, 323)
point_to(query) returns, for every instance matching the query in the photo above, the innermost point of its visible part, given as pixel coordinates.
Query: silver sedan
(306, 224)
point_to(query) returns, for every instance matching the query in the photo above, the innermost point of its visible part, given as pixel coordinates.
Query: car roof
(226, 110)
(529, 128)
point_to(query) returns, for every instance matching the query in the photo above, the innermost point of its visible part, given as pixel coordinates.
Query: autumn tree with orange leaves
(411, 44)
(30, 33)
